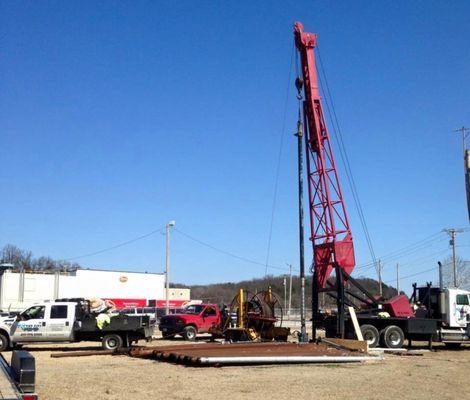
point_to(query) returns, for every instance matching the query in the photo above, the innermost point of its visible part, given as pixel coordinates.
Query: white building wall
(82, 283)
(112, 284)
(37, 287)
(10, 290)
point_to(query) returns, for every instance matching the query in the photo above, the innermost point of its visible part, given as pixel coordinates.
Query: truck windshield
(193, 309)
(462, 300)
(36, 312)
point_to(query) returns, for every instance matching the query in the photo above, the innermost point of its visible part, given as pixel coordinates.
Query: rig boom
(330, 232)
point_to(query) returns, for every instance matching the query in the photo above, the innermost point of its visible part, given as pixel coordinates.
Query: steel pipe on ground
(285, 359)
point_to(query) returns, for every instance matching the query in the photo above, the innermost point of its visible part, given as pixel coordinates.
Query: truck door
(61, 319)
(209, 318)
(30, 326)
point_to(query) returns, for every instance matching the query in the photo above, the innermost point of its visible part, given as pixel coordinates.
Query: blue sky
(116, 117)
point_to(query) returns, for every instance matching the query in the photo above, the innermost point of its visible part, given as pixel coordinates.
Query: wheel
(453, 345)
(392, 337)
(112, 342)
(370, 335)
(189, 333)
(4, 343)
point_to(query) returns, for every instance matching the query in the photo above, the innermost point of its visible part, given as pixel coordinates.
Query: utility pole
(452, 233)
(466, 164)
(379, 270)
(284, 283)
(290, 289)
(398, 278)
(464, 132)
(303, 329)
(441, 283)
(167, 268)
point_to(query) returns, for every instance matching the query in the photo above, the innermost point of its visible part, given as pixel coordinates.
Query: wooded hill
(225, 292)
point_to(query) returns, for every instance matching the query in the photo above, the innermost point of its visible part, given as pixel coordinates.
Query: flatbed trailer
(433, 314)
(374, 330)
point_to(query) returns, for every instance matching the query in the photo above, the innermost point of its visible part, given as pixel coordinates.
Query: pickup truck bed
(117, 323)
(129, 327)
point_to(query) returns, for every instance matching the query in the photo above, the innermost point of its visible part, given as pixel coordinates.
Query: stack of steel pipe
(249, 353)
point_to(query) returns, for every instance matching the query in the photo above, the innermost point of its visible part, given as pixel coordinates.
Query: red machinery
(330, 232)
(391, 321)
(331, 237)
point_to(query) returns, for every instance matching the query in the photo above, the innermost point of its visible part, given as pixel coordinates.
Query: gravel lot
(442, 374)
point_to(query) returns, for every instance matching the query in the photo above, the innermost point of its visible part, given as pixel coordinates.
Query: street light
(167, 268)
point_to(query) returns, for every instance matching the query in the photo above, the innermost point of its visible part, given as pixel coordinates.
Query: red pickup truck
(194, 319)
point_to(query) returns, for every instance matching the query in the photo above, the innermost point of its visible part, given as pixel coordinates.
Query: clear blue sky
(116, 117)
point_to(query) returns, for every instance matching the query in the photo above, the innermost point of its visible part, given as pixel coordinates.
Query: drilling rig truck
(432, 314)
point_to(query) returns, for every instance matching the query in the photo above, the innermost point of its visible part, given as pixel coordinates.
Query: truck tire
(371, 335)
(392, 337)
(112, 342)
(189, 333)
(4, 343)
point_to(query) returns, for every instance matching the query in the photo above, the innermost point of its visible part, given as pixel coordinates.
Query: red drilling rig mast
(331, 237)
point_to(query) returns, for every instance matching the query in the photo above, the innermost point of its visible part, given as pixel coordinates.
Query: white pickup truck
(72, 321)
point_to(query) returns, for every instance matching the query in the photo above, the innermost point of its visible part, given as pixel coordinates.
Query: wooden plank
(83, 353)
(348, 344)
(355, 322)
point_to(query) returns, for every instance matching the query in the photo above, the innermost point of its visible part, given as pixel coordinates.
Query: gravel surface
(442, 374)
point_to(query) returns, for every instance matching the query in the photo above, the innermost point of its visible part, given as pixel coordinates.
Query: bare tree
(463, 273)
(44, 263)
(21, 259)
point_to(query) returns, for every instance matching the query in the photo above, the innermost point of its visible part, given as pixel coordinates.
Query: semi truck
(72, 320)
(432, 314)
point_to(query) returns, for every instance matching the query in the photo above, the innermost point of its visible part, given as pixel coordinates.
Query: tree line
(23, 260)
(226, 292)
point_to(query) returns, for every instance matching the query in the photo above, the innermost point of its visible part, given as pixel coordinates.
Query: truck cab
(72, 320)
(457, 308)
(194, 319)
(42, 322)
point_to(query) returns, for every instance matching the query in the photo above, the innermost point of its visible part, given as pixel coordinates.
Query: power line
(116, 246)
(278, 167)
(344, 156)
(418, 261)
(228, 253)
(415, 274)
(410, 249)
(406, 250)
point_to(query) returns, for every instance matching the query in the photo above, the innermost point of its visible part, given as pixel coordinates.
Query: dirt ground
(442, 374)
